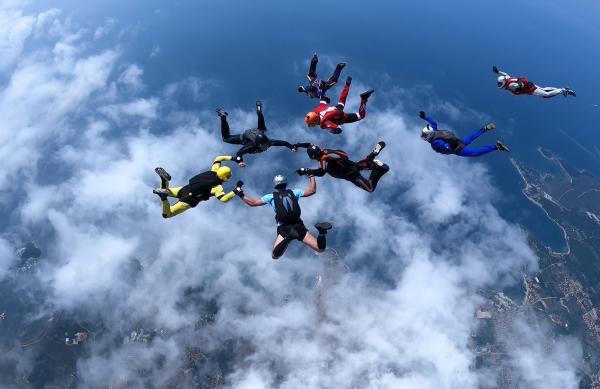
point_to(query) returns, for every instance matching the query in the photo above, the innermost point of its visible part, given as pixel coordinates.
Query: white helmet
(427, 133)
(279, 180)
(501, 81)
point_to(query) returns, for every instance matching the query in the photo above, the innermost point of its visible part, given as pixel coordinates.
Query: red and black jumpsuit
(336, 164)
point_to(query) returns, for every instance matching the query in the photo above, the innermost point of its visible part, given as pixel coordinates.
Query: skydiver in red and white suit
(330, 117)
(522, 86)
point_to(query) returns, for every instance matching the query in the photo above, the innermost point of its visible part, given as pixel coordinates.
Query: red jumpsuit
(332, 117)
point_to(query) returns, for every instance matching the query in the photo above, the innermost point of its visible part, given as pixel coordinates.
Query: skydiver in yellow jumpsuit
(200, 188)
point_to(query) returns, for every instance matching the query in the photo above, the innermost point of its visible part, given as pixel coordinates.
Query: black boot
(279, 250)
(377, 149)
(367, 94)
(323, 227)
(322, 238)
(164, 177)
(162, 193)
(378, 170)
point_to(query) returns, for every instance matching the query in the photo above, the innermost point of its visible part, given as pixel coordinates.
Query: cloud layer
(84, 136)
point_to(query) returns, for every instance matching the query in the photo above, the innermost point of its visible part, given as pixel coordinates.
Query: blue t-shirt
(268, 198)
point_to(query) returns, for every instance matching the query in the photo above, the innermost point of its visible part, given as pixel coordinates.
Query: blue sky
(95, 96)
(253, 50)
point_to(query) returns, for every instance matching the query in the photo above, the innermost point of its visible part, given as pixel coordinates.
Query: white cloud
(138, 109)
(132, 78)
(156, 49)
(105, 29)
(7, 258)
(15, 28)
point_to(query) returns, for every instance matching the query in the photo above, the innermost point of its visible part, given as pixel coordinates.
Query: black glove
(239, 184)
(348, 80)
(422, 114)
(495, 69)
(302, 171)
(238, 159)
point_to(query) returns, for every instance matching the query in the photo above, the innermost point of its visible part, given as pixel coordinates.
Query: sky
(93, 98)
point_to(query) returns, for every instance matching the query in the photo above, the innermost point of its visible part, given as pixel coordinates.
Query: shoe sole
(162, 173)
(163, 196)
(380, 146)
(323, 226)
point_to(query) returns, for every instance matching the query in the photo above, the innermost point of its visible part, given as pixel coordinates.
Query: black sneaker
(221, 112)
(570, 92)
(162, 173)
(378, 147)
(258, 106)
(501, 147)
(323, 227)
(341, 65)
(367, 94)
(162, 193)
(348, 80)
(381, 165)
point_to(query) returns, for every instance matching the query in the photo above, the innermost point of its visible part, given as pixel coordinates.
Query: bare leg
(311, 242)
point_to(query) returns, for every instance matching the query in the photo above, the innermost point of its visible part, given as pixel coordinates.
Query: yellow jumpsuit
(169, 210)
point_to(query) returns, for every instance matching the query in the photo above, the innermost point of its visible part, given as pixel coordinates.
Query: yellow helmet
(312, 119)
(224, 173)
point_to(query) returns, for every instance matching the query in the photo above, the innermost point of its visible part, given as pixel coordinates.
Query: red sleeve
(329, 124)
(327, 121)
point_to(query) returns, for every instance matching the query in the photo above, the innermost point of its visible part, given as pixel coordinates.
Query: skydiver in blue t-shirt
(447, 142)
(287, 214)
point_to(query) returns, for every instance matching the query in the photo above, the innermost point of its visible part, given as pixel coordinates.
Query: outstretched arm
(217, 162)
(320, 172)
(248, 200)
(247, 149)
(252, 202)
(312, 187)
(275, 142)
(498, 71)
(305, 145)
(221, 195)
(428, 119)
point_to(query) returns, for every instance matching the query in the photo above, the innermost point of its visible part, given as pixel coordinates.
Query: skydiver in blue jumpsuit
(447, 142)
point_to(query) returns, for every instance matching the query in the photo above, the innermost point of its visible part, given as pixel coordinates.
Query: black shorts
(184, 197)
(293, 231)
